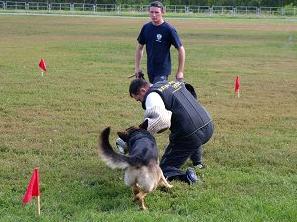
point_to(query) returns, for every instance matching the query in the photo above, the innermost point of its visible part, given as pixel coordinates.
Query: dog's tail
(108, 155)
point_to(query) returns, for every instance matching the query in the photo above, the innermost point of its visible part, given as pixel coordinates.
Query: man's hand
(179, 76)
(139, 75)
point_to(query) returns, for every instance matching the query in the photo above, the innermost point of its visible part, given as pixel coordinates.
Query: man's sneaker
(191, 176)
(199, 166)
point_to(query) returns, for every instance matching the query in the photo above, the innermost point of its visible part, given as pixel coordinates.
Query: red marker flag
(42, 65)
(237, 86)
(33, 189)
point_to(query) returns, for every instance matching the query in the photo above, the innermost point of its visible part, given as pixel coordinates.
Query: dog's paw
(143, 208)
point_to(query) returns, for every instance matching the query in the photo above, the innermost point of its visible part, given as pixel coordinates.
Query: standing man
(158, 36)
(171, 105)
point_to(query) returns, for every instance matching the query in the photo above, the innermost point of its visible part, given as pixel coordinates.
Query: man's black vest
(187, 114)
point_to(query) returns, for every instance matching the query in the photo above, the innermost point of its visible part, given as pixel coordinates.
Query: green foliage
(257, 3)
(53, 121)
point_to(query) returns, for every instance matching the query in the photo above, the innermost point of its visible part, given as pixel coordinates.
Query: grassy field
(53, 121)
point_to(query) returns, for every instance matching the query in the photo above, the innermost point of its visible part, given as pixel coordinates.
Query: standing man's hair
(135, 85)
(157, 4)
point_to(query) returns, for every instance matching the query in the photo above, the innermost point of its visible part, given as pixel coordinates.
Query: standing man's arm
(181, 63)
(138, 57)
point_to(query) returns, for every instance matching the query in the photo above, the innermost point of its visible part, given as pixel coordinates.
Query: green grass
(53, 121)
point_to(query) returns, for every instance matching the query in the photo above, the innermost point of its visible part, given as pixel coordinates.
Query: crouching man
(171, 105)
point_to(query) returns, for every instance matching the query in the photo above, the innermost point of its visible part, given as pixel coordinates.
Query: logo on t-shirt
(159, 38)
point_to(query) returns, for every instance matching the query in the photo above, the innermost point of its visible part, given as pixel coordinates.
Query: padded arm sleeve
(159, 119)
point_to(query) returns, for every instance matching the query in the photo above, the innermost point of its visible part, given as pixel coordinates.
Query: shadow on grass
(111, 195)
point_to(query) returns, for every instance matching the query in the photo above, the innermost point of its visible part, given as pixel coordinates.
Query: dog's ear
(123, 136)
(144, 125)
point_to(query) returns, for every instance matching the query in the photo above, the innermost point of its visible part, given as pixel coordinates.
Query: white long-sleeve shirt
(159, 118)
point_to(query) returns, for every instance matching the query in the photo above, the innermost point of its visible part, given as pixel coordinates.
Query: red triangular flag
(33, 187)
(42, 65)
(237, 85)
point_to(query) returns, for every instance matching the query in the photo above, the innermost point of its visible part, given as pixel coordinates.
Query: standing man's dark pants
(180, 149)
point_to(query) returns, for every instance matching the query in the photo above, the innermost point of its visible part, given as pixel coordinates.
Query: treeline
(258, 3)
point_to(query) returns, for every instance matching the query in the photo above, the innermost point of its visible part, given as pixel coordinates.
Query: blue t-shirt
(158, 40)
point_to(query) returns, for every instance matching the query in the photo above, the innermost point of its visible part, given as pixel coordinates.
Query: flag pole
(38, 205)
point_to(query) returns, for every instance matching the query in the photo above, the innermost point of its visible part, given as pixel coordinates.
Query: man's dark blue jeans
(158, 79)
(181, 149)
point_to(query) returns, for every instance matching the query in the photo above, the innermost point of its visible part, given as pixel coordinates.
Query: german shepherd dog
(142, 171)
